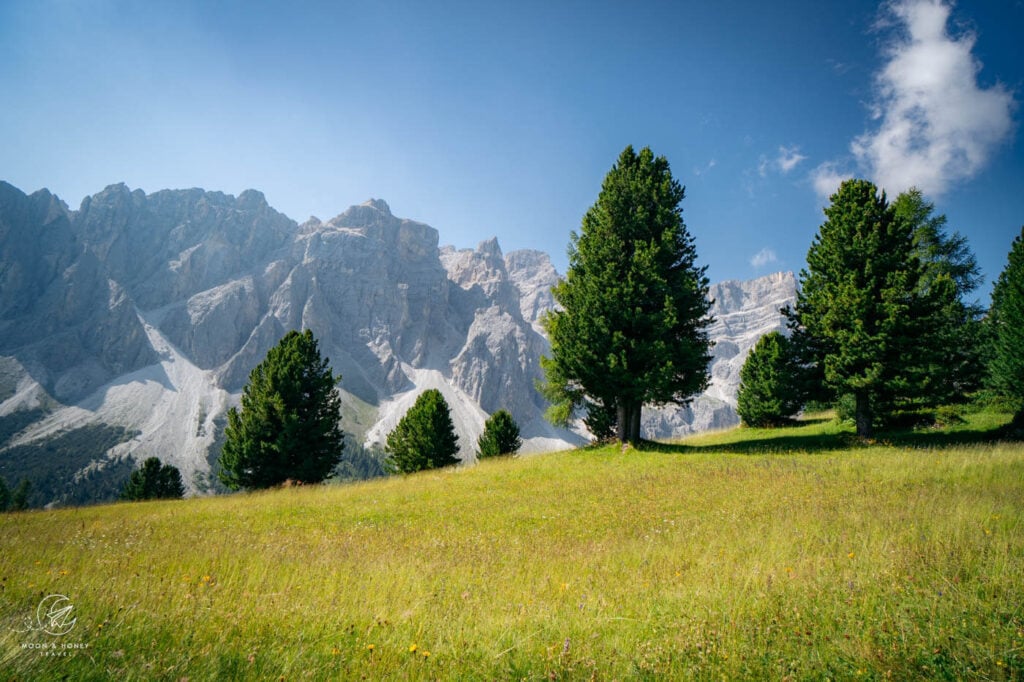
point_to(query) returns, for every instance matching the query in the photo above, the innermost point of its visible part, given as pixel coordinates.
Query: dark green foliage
(154, 481)
(500, 436)
(600, 421)
(20, 496)
(951, 364)
(289, 424)
(11, 424)
(632, 329)
(359, 463)
(425, 437)
(55, 465)
(5, 495)
(770, 383)
(940, 253)
(1006, 367)
(860, 309)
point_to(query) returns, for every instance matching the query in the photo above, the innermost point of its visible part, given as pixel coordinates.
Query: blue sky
(502, 119)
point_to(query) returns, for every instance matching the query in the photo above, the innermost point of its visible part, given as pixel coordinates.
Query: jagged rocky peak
(533, 274)
(483, 264)
(367, 214)
(36, 245)
(378, 204)
(732, 295)
(172, 244)
(251, 200)
(373, 219)
(62, 317)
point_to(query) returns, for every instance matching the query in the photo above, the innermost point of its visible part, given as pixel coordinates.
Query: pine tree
(860, 304)
(951, 362)
(1006, 368)
(154, 481)
(425, 437)
(632, 328)
(500, 436)
(289, 424)
(770, 383)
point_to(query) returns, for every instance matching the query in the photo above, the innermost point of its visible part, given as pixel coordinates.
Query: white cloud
(763, 257)
(826, 178)
(937, 126)
(706, 169)
(762, 166)
(788, 158)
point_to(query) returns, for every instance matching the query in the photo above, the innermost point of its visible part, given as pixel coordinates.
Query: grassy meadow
(789, 554)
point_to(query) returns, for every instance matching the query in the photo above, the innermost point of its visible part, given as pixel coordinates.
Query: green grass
(788, 554)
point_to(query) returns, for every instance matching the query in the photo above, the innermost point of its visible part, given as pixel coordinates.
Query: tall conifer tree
(1007, 319)
(632, 328)
(860, 303)
(950, 364)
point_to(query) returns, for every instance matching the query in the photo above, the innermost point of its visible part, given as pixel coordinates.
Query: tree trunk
(621, 421)
(634, 424)
(627, 421)
(862, 416)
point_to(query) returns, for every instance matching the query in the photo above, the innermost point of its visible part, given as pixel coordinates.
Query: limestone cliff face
(533, 275)
(499, 361)
(149, 311)
(63, 320)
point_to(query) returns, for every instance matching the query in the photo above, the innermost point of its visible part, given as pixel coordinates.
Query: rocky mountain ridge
(145, 313)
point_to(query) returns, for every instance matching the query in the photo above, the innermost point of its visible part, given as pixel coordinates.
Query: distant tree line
(16, 499)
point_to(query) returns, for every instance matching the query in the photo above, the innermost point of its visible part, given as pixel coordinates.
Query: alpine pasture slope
(794, 553)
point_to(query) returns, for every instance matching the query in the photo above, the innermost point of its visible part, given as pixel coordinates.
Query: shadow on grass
(795, 438)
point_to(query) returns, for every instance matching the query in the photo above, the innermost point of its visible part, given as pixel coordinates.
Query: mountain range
(128, 328)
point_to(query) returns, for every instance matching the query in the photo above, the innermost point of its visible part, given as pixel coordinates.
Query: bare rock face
(533, 275)
(498, 363)
(65, 321)
(167, 246)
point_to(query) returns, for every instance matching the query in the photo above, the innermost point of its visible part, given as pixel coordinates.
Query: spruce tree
(1006, 367)
(632, 325)
(860, 304)
(951, 364)
(500, 436)
(425, 437)
(154, 481)
(770, 386)
(289, 423)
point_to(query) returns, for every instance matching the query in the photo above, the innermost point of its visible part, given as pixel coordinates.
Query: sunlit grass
(708, 559)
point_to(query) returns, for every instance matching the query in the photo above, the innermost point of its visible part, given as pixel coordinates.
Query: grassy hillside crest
(793, 553)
